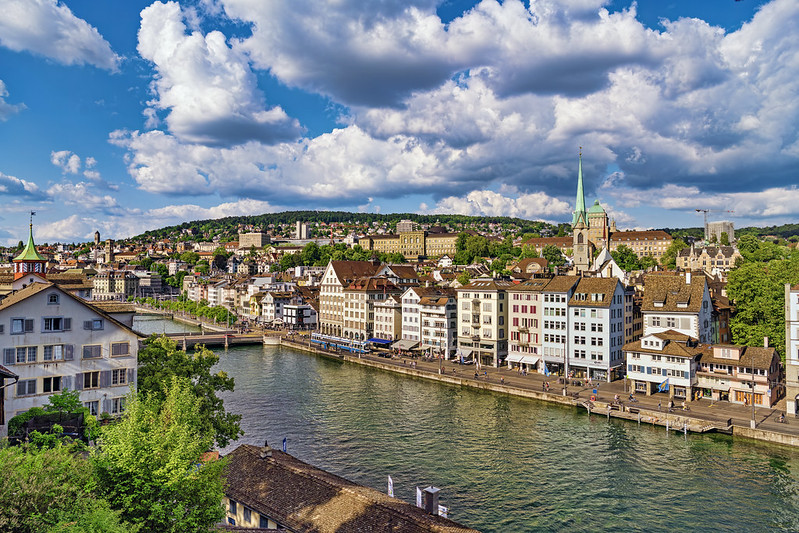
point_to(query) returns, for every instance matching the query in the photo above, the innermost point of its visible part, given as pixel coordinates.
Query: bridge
(230, 338)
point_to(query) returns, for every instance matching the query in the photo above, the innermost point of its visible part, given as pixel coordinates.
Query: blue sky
(122, 116)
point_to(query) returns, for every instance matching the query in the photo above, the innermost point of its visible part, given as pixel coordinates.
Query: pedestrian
(502, 380)
(671, 405)
(658, 405)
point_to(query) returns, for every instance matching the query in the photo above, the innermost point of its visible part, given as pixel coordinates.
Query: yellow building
(414, 245)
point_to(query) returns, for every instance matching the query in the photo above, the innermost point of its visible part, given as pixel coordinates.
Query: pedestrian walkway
(717, 414)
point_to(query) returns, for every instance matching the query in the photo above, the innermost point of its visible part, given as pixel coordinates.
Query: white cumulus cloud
(208, 89)
(7, 109)
(49, 28)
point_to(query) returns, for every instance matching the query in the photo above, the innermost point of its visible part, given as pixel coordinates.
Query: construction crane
(705, 212)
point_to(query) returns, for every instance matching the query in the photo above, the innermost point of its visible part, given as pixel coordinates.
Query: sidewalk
(713, 412)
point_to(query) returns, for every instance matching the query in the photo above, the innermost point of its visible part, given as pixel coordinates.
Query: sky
(122, 116)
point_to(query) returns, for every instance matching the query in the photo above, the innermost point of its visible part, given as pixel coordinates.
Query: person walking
(658, 405)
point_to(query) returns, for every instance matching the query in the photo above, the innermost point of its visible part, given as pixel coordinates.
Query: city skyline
(128, 116)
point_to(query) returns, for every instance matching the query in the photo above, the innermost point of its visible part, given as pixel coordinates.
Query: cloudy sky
(122, 116)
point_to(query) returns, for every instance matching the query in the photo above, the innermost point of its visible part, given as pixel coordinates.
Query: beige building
(388, 318)
(249, 240)
(414, 245)
(114, 285)
(360, 297)
(338, 275)
(482, 320)
(713, 260)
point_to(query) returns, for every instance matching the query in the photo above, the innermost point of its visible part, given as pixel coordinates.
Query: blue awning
(379, 341)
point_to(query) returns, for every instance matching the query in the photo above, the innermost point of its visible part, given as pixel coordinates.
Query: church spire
(579, 208)
(29, 260)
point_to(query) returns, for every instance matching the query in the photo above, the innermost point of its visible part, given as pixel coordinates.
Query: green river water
(505, 464)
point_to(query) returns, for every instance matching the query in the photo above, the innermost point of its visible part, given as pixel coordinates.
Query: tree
(528, 251)
(669, 257)
(190, 257)
(758, 290)
(626, 258)
(725, 239)
(464, 277)
(160, 360)
(553, 255)
(52, 489)
(150, 466)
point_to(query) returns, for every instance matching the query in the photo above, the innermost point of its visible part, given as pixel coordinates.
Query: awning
(379, 341)
(462, 352)
(522, 358)
(405, 344)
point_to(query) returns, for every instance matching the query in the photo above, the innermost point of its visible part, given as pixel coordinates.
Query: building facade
(482, 320)
(680, 303)
(792, 348)
(55, 341)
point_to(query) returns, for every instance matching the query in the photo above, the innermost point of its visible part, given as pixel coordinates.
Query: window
(52, 299)
(119, 376)
(27, 354)
(120, 348)
(247, 515)
(91, 380)
(54, 352)
(92, 351)
(117, 405)
(26, 387)
(21, 325)
(233, 507)
(95, 324)
(51, 384)
(263, 523)
(56, 324)
(93, 407)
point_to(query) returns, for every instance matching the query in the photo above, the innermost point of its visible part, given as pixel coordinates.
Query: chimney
(765, 342)
(430, 500)
(266, 451)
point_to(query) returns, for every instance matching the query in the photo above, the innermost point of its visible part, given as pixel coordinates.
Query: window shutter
(69, 353)
(79, 381)
(66, 382)
(105, 379)
(87, 324)
(67, 324)
(106, 406)
(9, 356)
(28, 325)
(132, 375)
(31, 386)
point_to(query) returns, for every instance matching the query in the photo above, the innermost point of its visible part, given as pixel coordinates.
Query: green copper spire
(29, 253)
(579, 208)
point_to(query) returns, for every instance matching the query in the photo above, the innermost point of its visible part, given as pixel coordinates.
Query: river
(506, 464)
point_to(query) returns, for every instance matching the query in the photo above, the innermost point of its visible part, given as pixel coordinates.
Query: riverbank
(702, 416)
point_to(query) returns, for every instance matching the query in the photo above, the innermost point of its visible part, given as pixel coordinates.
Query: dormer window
(52, 299)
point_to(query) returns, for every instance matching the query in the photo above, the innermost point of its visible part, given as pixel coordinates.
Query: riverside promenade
(702, 416)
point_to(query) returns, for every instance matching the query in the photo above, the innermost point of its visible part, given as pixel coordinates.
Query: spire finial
(581, 151)
(32, 215)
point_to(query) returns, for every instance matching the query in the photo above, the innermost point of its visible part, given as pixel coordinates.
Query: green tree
(150, 468)
(52, 490)
(464, 277)
(160, 360)
(758, 291)
(725, 239)
(669, 257)
(626, 258)
(553, 255)
(161, 269)
(190, 257)
(528, 251)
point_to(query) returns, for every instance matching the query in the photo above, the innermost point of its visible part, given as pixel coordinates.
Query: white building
(482, 320)
(596, 329)
(524, 317)
(439, 314)
(678, 303)
(554, 320)
(666, 361)
(388, 318)
(55, 341)
(791, 348)
(299, 316)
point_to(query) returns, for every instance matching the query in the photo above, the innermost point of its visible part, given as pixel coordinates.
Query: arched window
(579, 238)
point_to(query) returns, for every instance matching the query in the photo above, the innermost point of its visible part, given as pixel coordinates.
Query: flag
(546, 370)
(418, 497)
(284, 444)
(664, 386)
(443, 511)
(390, 487)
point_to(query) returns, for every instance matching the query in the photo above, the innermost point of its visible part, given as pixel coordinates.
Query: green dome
(596, 208)
(29, 253)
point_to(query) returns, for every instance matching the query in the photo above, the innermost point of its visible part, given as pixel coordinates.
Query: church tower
(581, 247)
(29, 261)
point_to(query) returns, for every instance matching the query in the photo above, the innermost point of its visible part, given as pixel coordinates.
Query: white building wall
(110, 375)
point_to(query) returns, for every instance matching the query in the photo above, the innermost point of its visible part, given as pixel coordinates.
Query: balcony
(523, 329)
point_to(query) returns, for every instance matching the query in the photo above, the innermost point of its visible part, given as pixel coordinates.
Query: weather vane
(32, 213)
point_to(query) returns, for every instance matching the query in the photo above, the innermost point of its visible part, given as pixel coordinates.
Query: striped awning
(523, 358)
(405, 344)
